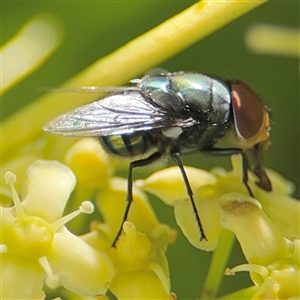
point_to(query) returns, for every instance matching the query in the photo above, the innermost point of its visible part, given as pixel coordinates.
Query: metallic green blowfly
(169, 114)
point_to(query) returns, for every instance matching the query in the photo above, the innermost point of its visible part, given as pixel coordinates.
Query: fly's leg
(229, 152)
(264, 181)
(132, 165)
(176, 156)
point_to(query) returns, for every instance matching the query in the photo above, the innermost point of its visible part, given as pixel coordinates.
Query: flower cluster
(267, 228)
(36, 246)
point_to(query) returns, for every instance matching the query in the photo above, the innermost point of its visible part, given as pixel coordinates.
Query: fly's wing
(121, 113)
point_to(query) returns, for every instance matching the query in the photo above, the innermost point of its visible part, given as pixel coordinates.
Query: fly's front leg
(256, 155)
(229, 152)
(132, 165)
(176, 156)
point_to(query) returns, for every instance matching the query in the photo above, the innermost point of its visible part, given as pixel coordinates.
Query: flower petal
(23, 278)
(89, 162)
(209, 212)
(138, 285)
(80, 268)
(47, 189)
(259, 238)
(283, 210)
(168, 184)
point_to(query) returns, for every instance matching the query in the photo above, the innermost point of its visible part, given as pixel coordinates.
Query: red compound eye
(247, 109)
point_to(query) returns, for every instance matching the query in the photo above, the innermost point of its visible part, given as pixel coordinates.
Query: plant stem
(217, 265)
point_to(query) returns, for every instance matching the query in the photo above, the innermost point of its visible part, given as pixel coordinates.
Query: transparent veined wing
(121, 113)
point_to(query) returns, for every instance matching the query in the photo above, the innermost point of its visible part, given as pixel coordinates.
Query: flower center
(30, 237)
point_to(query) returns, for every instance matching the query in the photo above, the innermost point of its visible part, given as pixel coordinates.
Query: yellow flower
(35, 244)
(141, 267)
(274, 261)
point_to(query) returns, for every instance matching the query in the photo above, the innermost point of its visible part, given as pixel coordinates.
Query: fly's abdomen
(125, 144)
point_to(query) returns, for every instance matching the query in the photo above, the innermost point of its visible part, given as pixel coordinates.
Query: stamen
(51, 280)
(228, 272)
(131, 234)
(128, 227)
(10, 178)
(86, 208)
(261, 270)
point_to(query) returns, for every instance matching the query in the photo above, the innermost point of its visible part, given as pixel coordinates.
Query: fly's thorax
(192, 95)
(203, 96)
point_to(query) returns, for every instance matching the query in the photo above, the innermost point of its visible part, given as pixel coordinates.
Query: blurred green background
(94, 29)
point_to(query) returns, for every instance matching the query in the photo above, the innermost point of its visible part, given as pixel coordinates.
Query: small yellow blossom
(274, 261)
(254, 230)
(35, 244)
(141, 267)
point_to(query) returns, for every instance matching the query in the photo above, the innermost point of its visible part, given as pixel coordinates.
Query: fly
(170, 114)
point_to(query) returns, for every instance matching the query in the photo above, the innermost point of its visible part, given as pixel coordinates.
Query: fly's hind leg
(135, 164)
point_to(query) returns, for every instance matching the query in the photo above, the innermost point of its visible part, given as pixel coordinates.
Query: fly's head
(252, 127)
